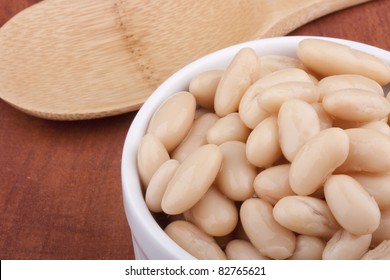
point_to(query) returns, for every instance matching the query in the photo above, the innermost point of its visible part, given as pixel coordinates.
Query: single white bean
(192, 179)
(204, 86)
(272, 98)
(228, 128)
(196, 137)
(243, 71)
(158, 184)
(236, 175)
(317, 159)
(351, 205)
(297, 122)
(308, 248)
(305, 215)
(377, 185)
(267, 235)
(151, 155)
(194, 241)
(272, 184)
(214, 213)
(330, 58)
(356, 105)
(173, 119)
(365, 147)
(346, 246)
(238, 249)
(250, 112)
(262, 147)
(330, 84)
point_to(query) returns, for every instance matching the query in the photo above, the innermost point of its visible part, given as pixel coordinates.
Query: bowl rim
(137, 213)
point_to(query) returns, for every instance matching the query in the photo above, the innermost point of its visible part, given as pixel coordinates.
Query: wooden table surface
(60, 184)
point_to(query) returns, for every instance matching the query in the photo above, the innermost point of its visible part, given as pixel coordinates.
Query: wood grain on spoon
(83, 59)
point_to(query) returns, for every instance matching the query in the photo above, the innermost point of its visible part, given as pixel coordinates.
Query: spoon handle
(285, 16)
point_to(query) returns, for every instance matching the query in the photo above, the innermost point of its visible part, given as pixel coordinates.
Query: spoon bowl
(72, 59)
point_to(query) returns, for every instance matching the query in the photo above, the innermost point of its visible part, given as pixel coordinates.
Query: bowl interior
(149, 239)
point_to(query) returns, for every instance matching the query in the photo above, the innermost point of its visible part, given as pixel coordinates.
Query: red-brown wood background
(60, 186)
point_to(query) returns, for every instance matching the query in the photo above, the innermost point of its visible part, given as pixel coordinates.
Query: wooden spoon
(83, 59)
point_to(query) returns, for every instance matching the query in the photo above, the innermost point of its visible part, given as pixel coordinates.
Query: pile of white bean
(275, 157)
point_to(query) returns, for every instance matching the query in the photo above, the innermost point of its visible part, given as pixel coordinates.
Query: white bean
(272, 98)
(204, 86)
(305, 215)
(236, 175)
(330, 84)
(272, 184)
(267, 235)
(330, 58)
(346, 246)
(196, 137)
(356, 105)
(243, 71)
(151, 155)
(365, 147)
(262, 147)
(228, 128)
(317, 159)
(214, 213)
(308, 248)
(194, 241)
(192, 179)
(377, 185)
(352, 206)
(158, 184)
(173, 119)
(243, 250)
(297, 122)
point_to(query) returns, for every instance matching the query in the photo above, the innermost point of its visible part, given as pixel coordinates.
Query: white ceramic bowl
(149, 240)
